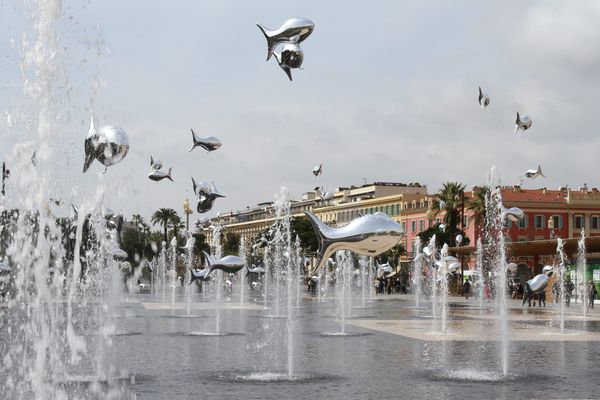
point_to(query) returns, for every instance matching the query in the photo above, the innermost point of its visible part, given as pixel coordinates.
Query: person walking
(466, 288)
(541, 298)
(592, 294)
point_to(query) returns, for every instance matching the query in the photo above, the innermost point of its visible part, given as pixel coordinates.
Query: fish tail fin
(540, 171)
(480, 92)
(270, 41)
(151, 161)
(194, 185)
(194, 140)
(193, 277)
(169, 175)
(324, 241)
(209, 260)
(92, 126)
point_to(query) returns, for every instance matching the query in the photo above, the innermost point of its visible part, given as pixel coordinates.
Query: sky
(388, 92)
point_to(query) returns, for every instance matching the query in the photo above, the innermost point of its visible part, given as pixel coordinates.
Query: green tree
(164, 216)
(441, 237)
(301, 227)
(477, 204)
(231, 244)
(392, 255)
(450, 199)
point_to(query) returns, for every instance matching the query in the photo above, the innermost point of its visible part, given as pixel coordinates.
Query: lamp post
(187, 211)
(5, 174)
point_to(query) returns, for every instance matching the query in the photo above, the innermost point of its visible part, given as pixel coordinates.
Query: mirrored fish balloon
(533, 286)
(484, 99)
(294, 30)
(513, 214)
(206, 195)
(368, 235)
(290, 35)
(155, 164)
(318, 170)
(534, 173)
(158, 175)
(209, 144)
(109, 144)
(522, 123)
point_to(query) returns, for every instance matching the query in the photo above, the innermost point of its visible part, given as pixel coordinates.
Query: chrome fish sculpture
(484, 99)
(157, 175)
(209, 144)
(368, 235)
(513, 214)
(227, 264)
(109, 145)
(522, 123)
(255, 270)
(533, 286)
(290, 35)
(206, 195)
(534, 173)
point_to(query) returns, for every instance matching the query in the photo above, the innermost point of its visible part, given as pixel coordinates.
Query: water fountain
(442, 275)
(561, 276)
(417, 272)
(582, 273)
(496, 259)
(243, 281)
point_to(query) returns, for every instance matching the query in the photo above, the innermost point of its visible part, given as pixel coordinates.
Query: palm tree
(477, 203)
(450, 198)
(163, 216)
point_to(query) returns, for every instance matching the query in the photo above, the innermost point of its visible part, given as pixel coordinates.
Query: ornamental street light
(187, 211)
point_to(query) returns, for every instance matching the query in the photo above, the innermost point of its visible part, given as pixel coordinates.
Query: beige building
(346, 204)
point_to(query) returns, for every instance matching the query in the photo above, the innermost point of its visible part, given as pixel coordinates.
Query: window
(412, 247)
(466, 221)
(421, 225)
(578, 221)
(558, 221)
(538, 221)
(413, 226)
(594, 222)
(524, 222)
(404, 226)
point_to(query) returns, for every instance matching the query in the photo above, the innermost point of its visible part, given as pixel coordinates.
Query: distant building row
(548, 213)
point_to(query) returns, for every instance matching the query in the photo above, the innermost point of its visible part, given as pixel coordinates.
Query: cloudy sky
(388, 93)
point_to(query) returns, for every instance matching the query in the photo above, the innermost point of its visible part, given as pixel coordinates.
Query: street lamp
(187, 211)
(551, 226)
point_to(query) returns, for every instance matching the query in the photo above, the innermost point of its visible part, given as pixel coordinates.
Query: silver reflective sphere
(294, 30)
(368, 235)
(522, 123)
(291, 56)
(484, 99)
(209, 144)
(534, 173)
(109, 145)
